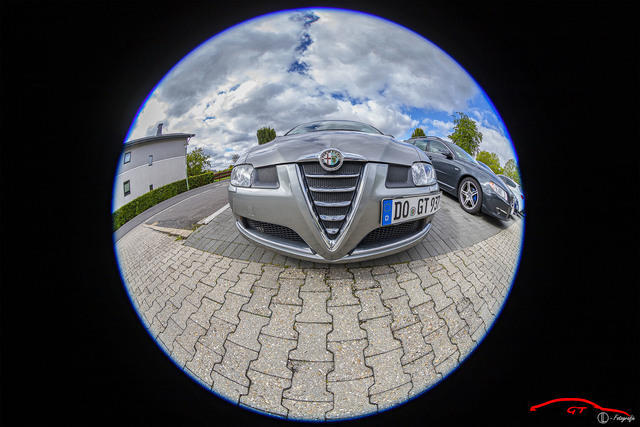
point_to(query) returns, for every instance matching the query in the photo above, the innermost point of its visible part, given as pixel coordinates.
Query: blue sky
(287, 68)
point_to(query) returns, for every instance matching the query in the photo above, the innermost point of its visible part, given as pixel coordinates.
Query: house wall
(169, 165)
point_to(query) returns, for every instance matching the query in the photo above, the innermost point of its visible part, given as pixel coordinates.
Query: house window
(150, 187)
(150, 159)
(127, 188)
(127, 157)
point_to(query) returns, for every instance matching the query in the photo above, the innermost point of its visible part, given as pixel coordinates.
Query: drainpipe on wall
(185, 162)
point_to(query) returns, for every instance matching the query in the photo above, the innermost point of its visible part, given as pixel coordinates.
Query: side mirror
(449, 155)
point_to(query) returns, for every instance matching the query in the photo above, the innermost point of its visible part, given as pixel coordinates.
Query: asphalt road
(181, 211)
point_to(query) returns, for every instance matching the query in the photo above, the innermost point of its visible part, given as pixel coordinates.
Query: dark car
(459, 174)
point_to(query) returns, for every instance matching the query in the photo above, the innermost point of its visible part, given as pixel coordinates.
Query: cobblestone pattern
(452, 230)
(320, 342)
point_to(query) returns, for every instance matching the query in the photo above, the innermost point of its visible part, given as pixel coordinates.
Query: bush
(155, 196)
(196, 181)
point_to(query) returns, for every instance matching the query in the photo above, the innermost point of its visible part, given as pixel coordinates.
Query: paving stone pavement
(453, 229)
(317, 342)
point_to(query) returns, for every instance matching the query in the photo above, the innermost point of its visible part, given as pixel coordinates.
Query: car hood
(488, 175)
(373, 148)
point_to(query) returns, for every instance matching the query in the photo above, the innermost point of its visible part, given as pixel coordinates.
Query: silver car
(334, 191)
(516, 189)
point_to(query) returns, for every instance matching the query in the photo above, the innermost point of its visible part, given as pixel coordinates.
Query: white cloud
(495, 142)
(369, 58)
(153, 112)
(358, 67)
(438, 127)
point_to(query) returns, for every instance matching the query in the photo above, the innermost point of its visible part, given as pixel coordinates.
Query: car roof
(427, 137)
(430, 138)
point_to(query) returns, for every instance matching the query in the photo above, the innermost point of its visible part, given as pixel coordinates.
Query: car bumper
(288, 206)
(495, 206)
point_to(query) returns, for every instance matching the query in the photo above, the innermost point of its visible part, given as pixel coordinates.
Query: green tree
(265, 135)
(466, 134)
(417, 132)
(196, 161)
(491, 160)
(511, 170)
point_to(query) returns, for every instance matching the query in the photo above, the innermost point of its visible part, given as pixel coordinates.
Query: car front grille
(393, 232)
(273, 230)
(331, 193)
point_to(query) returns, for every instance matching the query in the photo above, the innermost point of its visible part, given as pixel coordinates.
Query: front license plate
(408, 208)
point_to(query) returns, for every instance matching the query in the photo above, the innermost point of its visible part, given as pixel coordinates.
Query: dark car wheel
(470, 195)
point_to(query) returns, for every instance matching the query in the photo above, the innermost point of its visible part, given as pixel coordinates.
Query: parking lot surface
(311, 341)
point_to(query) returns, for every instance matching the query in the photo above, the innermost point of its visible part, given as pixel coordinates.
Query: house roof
(158, 138)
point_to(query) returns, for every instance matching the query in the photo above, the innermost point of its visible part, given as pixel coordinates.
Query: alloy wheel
(469, 195)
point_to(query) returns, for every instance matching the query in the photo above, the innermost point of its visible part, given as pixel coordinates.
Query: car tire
(470, 195)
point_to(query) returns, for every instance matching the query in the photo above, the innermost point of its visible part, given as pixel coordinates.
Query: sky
(283, 69)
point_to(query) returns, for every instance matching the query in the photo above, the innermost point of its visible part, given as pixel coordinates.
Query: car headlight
(499, 191)
(423, 174)
(241, 176)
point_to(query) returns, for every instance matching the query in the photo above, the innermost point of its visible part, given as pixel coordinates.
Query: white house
(148, 163)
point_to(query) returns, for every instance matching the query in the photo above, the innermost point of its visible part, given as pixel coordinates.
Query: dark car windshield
(508, 181)
(333, 125)
(462, 154)
(420, 143)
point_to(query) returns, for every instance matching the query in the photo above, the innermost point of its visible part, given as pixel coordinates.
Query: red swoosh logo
(577, 399)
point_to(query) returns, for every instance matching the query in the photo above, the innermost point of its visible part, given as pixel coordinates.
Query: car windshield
(420, 143)
(462, 154)
(508, 181)
(333, 125)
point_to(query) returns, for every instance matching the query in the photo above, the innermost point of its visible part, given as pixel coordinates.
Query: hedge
(157, 195)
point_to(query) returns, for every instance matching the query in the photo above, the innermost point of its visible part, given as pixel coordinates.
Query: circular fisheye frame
(318, 280)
